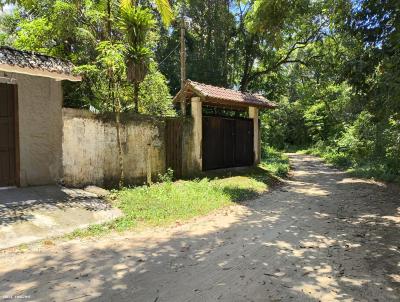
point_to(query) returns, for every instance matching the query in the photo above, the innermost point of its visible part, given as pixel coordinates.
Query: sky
(7, 8)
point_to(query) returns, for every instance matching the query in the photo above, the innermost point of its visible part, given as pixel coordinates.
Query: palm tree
(165, 10)
(137, 22)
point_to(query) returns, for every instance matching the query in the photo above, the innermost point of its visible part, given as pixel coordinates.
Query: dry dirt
(323, 236)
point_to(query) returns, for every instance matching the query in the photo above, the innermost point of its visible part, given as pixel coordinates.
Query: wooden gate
(227, 142)
(8, 131)
(174, 136)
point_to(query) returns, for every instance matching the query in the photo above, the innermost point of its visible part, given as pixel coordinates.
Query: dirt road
(322, 237)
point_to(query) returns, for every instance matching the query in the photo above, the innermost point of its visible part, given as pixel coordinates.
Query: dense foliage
(332, 65)
(73, 30)
(346, 105)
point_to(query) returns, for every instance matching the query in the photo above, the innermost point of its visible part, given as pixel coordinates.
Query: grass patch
(367, 169)
(22, 248)
(169, 202)
(275, 161)
(92, 230)
(337, 159)
(374, 171)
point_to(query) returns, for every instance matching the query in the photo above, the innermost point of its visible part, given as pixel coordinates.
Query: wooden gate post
(197, 114)
(253, 114)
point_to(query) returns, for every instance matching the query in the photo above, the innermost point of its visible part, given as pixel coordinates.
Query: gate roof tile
(223, 96)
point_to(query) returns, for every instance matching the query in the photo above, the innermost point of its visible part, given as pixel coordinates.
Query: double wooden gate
(227, 142)
(8, 131)
(174, 141)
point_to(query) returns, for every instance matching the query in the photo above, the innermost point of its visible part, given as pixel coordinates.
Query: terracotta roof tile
(33, 60)
(221, 95)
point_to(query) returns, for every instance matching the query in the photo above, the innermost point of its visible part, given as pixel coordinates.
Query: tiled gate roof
(224, 96)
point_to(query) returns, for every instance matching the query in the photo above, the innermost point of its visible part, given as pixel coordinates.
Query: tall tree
(209, 41)
(110, 65)
(136, 23)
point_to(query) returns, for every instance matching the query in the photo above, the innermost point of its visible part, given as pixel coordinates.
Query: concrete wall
(90, 153)
(191, 159)
(253, 114)
(197, 115)
(40, 128)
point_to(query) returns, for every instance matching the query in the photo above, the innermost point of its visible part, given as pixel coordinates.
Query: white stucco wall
(40, 129)
(197, 115)
(90, 153)
(253, 114)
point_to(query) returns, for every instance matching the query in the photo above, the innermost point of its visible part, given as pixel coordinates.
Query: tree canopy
(332, 65)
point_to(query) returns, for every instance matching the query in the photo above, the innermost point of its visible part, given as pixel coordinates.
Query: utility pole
(183, 61)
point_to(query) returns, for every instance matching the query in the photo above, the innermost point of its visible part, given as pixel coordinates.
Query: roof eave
(39, 72)
(187, 86)
(240, 105)
(190, 87)
(270, 106)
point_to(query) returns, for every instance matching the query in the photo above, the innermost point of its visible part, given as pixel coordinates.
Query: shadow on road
(19, 204)
(323, 236)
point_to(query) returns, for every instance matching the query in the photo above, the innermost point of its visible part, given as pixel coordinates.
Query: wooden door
(244, 143)
(227, 142)
(174, 135)
(212, 147)
(8, 131)
(228, 145)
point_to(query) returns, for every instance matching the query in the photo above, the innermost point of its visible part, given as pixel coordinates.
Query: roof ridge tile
(34, 60)
(230, 95)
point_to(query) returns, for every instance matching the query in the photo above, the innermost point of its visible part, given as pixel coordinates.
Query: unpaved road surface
(323, 236)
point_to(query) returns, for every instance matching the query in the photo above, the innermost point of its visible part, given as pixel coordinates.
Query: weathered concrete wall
(40, 129)
(90, 153)
(253, 114)
(197, 115)
(190, 160)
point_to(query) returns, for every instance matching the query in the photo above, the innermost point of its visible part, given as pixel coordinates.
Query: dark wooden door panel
(213, 147)
(174, 148)
(4, 133)
(4, 169)
(208, 143)
(7, 135)
(227, 142)
(244, 143)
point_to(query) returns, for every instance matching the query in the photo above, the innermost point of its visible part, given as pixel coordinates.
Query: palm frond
(125, 4)
(136, 23)
(165, 10)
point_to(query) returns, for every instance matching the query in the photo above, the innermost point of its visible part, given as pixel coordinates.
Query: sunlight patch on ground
(354, 281)
(395, 278)
(321, 215)
(310, 191)
(361, 181)
(317, 244)
(396, 218)
(308, 173)
(325, 289)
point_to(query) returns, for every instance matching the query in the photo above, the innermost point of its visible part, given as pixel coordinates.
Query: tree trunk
(244, 83)
(120, 158)
(109, 19)
(248, 63)
(136, 96)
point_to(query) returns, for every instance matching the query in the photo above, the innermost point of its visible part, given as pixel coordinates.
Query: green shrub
(168, 176)
(167, 202)
(275, 161)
